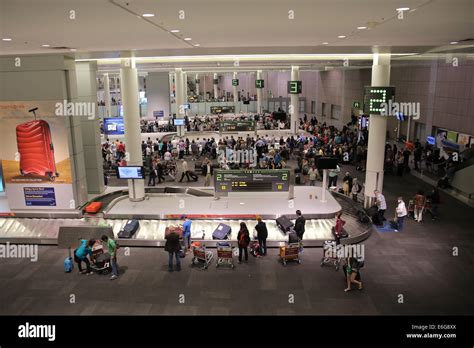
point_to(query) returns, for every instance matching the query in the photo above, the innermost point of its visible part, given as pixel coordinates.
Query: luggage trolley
(224, 255)
(290, 252)
(201, 257)
(330, 248)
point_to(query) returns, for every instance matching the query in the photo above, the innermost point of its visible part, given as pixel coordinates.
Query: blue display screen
(178, 121)
(40, 196)
(130, 172)
(113, 125)
(431, 140)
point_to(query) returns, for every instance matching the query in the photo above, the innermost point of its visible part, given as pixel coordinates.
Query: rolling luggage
(93, 207)
(284, 224)
(173, 228)
(130, 228)
(222, 232)
(36, 149)
(193, 175)
(293, 237)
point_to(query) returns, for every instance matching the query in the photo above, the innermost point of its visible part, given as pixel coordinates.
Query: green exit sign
(235, 82)
(294, 87)
(259, 84)
(356, 105)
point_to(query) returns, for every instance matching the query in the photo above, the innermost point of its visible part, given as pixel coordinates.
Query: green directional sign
(235, 82)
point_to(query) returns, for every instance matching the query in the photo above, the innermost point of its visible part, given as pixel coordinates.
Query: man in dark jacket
(262, 234)
(172, 246)
(299, 224)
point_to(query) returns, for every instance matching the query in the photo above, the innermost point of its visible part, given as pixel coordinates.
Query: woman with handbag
(243, 238)
(351, 273)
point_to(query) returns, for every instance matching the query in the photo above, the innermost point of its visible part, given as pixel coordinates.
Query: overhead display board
(114, 126)
(222, 109)
(294, 87)
(236, 126)
(256, 180)
(259, 83)
(375, 96)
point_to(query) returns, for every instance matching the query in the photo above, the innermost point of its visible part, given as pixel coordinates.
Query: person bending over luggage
(81, 253)
(172, 246)
(112, 250)
(352, 268)
(299, 224)
(187, 232)
(339, 227)
(262, 234)
(243, 239)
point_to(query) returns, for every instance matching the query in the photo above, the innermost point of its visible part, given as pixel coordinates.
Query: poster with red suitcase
(35, 157)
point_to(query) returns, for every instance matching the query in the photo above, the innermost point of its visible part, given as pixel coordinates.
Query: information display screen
(257, 180)
(259, 83)
(237, 126)
(114, 126)
(294, 87)
(179, 122)
(235, 82)
(375, 96)
(130, 172)
(222, 109)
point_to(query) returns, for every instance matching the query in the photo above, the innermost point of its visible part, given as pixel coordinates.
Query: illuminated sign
(375, 96)
(294, 87)
(259, 83)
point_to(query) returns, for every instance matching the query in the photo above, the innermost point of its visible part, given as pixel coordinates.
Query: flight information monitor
(255, 180)
(222, 109)
(237, 126)
(130, 172)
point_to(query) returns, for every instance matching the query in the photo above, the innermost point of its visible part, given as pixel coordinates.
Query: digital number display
(257, 180)
(294, 87)
(375, 96)
(222, 110)
(259, 83)
(237, 126)
(215, 81)
(235, 82)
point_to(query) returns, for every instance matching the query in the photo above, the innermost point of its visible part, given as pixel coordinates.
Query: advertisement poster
(35, 157)
(463, 139)
(452, 136)
(441, 135)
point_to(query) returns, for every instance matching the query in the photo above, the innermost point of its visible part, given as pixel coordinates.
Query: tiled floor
(417, 263)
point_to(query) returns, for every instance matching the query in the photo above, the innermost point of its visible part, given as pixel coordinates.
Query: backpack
(243, 240)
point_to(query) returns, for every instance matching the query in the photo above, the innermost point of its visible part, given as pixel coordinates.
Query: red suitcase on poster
(36, 149)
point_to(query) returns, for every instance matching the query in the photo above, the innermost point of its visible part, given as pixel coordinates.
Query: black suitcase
(284, 224)
(222, 232)
(293, 237)
(193, 175)
(129, 230)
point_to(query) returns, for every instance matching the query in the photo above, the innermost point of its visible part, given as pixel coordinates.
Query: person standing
(300, 224)
(401, 211)
(187, 232)
(172, 246)
(339, 227)
(356, 188)
(381, 205)
(262, 235)
(434, 201)
(152, 175)
(352, 268)
(333, 173)
(347, 184)
(159, 171)
(313, 174)
(243, 239)
(112, 250)
(420, 201)
(207, 172)
(185, 170)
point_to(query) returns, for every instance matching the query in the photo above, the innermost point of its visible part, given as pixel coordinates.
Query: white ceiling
(103, 28)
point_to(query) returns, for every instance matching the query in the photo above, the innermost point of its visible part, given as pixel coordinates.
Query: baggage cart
(201, 257)
(330, 256)
(290, 252)
(224, 255)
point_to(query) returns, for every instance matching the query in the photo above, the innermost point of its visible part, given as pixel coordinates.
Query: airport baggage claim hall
(236, 158)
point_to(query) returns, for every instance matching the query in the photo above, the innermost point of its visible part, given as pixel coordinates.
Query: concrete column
(216, 93)
(179, 99)
(131, 114)
(377, 132)
(295, 102)
(185, 87)
(234, 90)
(259, 93)
(158, 93)
(107, 95)
(196, 78)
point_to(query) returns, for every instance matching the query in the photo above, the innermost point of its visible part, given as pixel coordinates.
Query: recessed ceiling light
(148, 15)
(361, 28)
(45, 45)
(342, 36)
(187, 39)
(453, 42)
(325, 43)
(403, 9)
(6, 39)
(197, 45)
(174, 31)
(73, 49)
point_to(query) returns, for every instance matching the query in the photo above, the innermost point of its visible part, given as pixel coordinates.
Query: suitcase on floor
(222, 232)
(173, 228)
(93, 207)
(284, 224)
(36, 149)
(129, 230)
(293, 237)
(193, 175)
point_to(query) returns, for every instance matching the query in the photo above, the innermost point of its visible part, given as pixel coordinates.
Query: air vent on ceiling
(60, 48)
